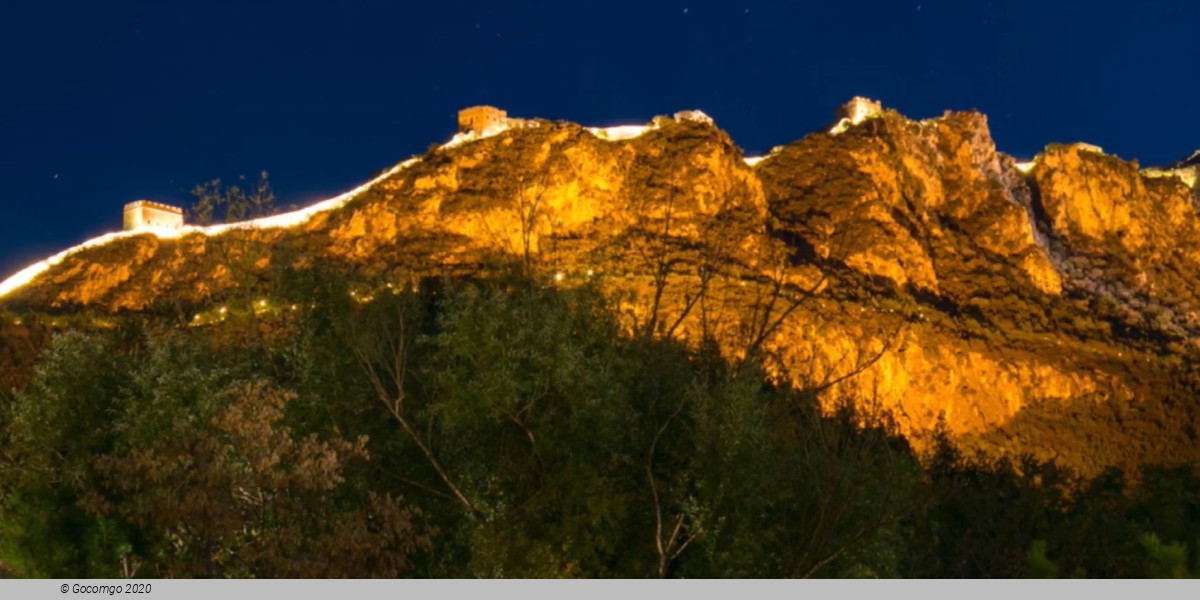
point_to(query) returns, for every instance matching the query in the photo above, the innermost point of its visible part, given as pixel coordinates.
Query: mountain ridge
(907, 264)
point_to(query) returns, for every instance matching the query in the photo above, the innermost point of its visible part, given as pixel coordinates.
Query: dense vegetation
(509, 427)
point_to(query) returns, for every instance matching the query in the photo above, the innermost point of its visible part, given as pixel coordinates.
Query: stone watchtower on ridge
(859, 108)
(478, 118)
(144, 214)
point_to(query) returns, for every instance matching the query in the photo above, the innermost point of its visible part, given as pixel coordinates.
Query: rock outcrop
(905, 264)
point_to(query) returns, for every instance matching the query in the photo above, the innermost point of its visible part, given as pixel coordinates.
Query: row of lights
(55, 322)
(261, 305)
(560, 276)
(361, 298)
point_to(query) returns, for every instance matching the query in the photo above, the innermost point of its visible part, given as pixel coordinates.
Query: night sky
(108, 102)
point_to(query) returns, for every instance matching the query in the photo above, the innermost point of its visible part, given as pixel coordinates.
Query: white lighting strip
(298, 217)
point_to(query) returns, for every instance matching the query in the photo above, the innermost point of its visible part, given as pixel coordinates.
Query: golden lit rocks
(902, 260)
(916, 203)
(838, 198)
(1130, 236)
(1093, 198)
(920, 372)
(1041, 272)
(360, 235)
(95, 277)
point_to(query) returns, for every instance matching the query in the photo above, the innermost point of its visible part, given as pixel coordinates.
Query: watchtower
(859, 109)
(144, 214)
(478, 118)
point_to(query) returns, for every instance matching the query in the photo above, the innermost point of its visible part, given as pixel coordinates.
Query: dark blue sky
(107, 102)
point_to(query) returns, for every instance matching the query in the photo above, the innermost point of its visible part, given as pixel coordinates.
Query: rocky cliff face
(907, 265)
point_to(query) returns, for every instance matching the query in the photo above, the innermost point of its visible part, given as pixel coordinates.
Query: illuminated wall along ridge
(294, 218)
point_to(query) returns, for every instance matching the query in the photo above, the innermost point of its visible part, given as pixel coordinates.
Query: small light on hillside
(559, 276)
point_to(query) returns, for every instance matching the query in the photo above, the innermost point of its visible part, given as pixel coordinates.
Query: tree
(237, 204)
(1165, 561)
(1040, 566)
(514, 403)
(150, 450)
(51, 430)
(242, 264)
(241, 496)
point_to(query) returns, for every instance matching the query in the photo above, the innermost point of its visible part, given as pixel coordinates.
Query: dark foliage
(508, 427)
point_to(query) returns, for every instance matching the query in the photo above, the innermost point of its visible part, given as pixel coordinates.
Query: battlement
(144, 214)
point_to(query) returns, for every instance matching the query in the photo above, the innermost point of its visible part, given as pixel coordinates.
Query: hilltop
(1047, 307)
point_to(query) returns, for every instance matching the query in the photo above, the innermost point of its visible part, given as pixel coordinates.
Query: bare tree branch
(394, 357)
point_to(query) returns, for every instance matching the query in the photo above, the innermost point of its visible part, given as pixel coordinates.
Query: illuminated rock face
(1133, 238)
(940, 278)
(914, 203)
